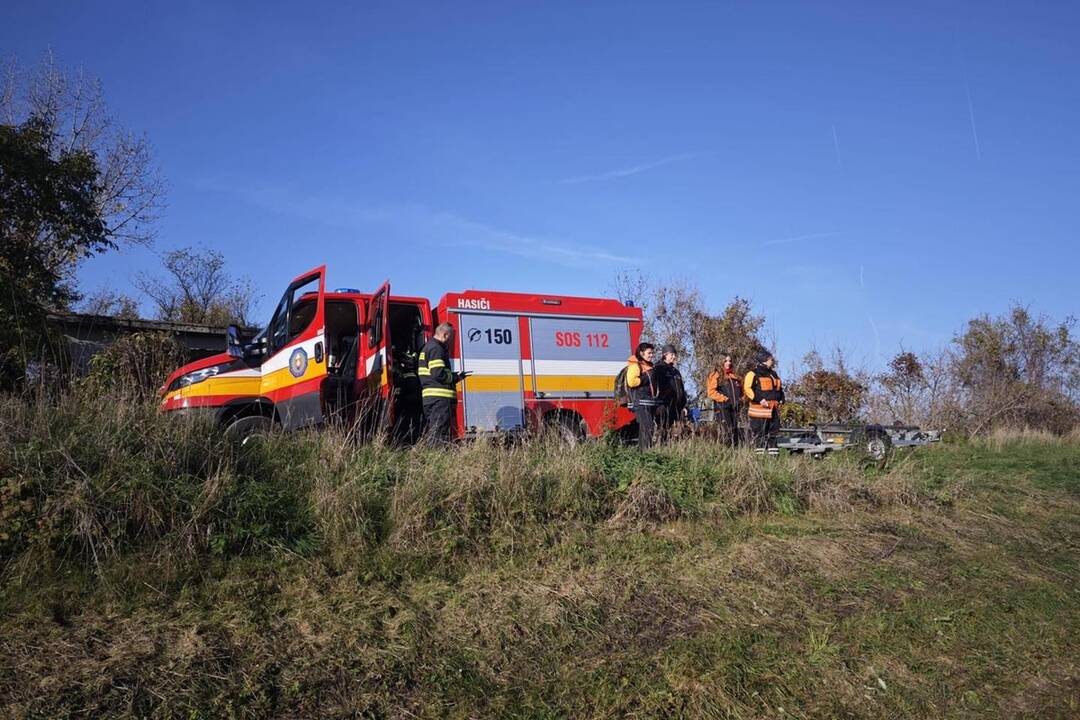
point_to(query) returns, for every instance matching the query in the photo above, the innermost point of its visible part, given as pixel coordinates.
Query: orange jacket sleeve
(712, 385)
(748, 386)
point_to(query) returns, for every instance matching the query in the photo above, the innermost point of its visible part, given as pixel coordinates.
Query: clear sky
(868, 174)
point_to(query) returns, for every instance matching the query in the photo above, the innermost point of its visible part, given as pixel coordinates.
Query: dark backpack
(622, 393)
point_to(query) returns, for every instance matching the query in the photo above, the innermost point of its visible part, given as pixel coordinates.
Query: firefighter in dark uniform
(438, 383)
(764, 393)
(408, 398)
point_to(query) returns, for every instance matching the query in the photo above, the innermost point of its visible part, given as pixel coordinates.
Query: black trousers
(439, 414)
(646, 424)
(763, 431)
(409, 419)
(728, 420)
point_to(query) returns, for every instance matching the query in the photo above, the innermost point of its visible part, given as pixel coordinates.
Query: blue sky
(868, 175)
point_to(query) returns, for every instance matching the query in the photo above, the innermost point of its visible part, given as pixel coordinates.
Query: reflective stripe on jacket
(433, 367)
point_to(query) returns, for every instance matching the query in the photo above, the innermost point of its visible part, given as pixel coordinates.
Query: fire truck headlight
(196, 377)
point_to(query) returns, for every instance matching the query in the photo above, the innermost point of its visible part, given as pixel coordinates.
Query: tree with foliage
(1013, 370)
(1018, 369)
(198, 289)
(825, 394)
(46, 208)
(736, 332)
(72, 184)
(908, 392)
(674, 312)
(128, 192)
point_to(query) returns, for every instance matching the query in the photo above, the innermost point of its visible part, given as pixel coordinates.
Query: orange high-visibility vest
(758, 386)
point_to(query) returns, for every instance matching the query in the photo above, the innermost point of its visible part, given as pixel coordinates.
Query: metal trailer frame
(876, 442)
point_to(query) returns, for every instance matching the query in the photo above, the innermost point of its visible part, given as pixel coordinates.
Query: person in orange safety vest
(765, 394)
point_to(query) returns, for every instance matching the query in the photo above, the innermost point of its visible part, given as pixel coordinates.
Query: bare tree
(677, 309)
(198, 289)
(129, 192)
(630, 286)
(110, 302)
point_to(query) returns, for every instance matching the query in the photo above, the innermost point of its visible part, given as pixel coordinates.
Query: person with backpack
(644, 399)
(763, 391)
(670, 391)
(725, 390)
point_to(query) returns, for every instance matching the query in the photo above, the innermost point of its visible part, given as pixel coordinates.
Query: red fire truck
(535, 359)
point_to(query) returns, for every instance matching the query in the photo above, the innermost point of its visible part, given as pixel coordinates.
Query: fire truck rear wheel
(569, 428)
(248, 429)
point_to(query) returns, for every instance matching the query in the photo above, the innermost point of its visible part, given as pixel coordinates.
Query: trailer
(874, 443)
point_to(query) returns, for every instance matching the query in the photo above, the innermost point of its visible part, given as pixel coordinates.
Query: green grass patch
(152, 570)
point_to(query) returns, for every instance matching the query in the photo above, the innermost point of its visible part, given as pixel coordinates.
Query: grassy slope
(944, 588)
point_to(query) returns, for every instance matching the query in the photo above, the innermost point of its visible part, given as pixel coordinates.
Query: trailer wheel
(248, 429)
(875, 447)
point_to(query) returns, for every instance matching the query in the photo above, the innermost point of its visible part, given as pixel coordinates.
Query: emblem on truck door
(298, 362)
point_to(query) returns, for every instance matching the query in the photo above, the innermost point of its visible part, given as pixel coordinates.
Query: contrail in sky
(877, 335)
(971, 115)
(836, 146)
(627, 172)
(797, 238)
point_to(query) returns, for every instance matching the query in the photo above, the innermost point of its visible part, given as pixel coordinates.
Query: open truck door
(295, 368)
(379, 389)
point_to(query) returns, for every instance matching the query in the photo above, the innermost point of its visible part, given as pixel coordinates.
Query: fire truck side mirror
(233, 346)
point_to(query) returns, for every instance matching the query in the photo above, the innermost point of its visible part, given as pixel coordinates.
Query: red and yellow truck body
(535, 359)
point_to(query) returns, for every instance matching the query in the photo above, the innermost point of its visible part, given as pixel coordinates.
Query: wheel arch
(247, 407)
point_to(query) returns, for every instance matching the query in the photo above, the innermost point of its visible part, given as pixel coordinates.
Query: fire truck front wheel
(247, 428)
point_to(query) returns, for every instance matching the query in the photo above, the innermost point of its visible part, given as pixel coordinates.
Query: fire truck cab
(536, 360)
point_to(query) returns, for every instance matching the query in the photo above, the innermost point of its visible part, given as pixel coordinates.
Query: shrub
(134, 366)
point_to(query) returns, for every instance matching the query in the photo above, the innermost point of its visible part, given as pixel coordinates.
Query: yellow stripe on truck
(223, 386)
(492, 383)
(571, 383)
(544, 383)
(282, 377)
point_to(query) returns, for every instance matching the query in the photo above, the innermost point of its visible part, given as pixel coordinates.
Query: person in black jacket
(671, 390)
(408, 398)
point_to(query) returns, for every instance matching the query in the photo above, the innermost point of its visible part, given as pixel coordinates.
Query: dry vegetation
(152, 570)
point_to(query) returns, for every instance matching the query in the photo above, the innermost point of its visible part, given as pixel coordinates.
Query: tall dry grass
(1002, 438)
(93, 477)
